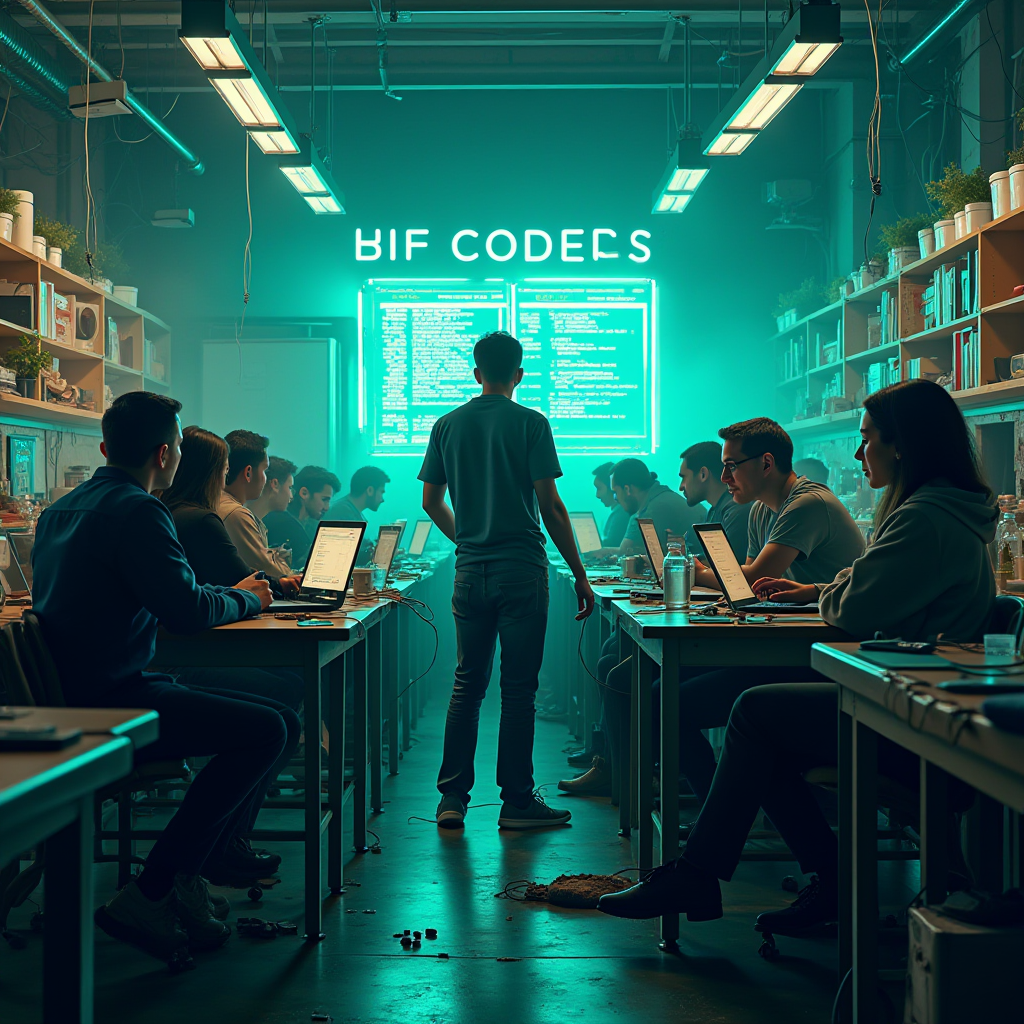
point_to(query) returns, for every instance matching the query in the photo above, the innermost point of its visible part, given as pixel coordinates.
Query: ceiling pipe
(29, 59)
(185, 155)
(34, 95)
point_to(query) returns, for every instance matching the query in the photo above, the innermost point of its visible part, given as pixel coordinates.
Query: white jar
(926, 242)
(25, 223)
(943, 233)
(1017, 187)
(130, 294)
(978, 214)
(55, 255)
(7, 226)
(960, 224)
(39, 246)
(999, 184)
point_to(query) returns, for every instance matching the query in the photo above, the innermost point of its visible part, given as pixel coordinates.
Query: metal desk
(949, 735)
(671, 640)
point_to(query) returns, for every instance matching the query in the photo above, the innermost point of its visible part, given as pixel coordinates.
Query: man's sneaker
(221, 906)
(816, 905)
(673, 888)
(149, 925)
(596, 782)
(536, 814)
(581, 759)
(195, 912)
(451, 812)
(240, 865)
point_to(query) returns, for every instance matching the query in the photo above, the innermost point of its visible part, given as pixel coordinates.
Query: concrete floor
(566, 965)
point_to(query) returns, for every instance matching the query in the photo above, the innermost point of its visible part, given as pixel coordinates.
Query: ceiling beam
(666, 41)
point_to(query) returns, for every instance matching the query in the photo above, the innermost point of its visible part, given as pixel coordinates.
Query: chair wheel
(36, 922)
(255, 893)
(15, 941)
(768, 950)
(789, 884)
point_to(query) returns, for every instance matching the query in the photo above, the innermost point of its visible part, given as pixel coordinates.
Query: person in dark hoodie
(927, 574)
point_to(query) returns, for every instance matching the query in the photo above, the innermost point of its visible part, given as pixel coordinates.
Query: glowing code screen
(588, 357)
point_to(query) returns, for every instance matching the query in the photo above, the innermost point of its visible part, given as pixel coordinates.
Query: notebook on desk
(729, 574)
(328, 572)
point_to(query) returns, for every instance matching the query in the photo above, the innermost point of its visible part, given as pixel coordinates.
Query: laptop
(726, 567)
(22, 544)
(328, 572)
(386, 546)
(652, 543)
(588, 536)
(420, 533)
(17, 576)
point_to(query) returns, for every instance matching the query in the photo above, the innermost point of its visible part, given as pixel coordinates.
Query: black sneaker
(673, 888)
(197, 915)
(149, 925)
(581, 759)
(451, 812)
(816, 905)
(536, 814)
(240, 866)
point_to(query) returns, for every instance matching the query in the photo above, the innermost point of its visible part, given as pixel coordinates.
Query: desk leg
(389, 684)
(313, 809)
(410, 701)
(934, 859)
(669, 774)
(358, 664)
(336, 778)
(864, 848)
(845, 770)
(68, 943)
(375, 683)
(645, 763)
(634, 732)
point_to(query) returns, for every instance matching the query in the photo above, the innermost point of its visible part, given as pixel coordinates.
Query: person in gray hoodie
(927, 574)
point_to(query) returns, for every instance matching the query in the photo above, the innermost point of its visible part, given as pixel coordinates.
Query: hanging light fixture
(688, 166)
(308, 176)
(212, 34)
(810, 37)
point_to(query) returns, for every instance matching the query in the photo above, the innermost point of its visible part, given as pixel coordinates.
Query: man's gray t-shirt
(670, 513)
(489, 452)
(615, 527)
(734, 519)
(344, 511)
(815, 522)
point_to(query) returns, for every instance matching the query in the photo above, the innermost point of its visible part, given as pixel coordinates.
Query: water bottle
(676, 573)
(1008, 548)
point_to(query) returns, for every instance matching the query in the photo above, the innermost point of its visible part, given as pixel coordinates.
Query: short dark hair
(604, 473)
(813, 469)
(137, 424)
(368, 476)
(634, 473)
(704, 455)
(244, 449)
(761, 435)
(497, 356)
(280, 469)
(314, 478)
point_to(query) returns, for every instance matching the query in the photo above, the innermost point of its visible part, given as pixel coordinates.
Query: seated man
(700, 479)
(284, 532)
(313, 490)
(615, 525)
(365, 491)
(112, 530)
(247, 475)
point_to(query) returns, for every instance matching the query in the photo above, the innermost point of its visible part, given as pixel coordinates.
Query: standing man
(498, 460)
(615, 525)
(366, 491)
(700, 480)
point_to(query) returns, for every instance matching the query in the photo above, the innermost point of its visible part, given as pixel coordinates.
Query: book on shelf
(923, 368)
(953, 293)
(885, 321)
(881, 374)
(966, 359)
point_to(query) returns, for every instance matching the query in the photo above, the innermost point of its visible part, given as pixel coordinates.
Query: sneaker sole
(206, 945)
(450, 819)
(523, 824)
(139, 939)
(585, 790)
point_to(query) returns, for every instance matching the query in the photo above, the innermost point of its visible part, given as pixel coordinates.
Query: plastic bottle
(676, 573)
(1008, 548)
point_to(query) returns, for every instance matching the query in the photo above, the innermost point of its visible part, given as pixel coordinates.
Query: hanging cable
(874, 130)
(90, 201)
(382, 49)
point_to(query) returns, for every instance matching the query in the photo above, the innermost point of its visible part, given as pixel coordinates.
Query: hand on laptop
(290, 584)
(259, 587)
(785, 591)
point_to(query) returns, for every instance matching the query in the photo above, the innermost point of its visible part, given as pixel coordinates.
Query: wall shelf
(47, 412)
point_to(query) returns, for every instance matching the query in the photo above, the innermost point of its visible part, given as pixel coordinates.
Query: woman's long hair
(932, 439)
(200, 476)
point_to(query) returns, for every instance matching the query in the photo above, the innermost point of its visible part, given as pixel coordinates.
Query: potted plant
(1015, 165)
(900, 240)
(58, 236)
(953, 193)
(107, 262)
(27, 361)
(8, 212)
(798, 303)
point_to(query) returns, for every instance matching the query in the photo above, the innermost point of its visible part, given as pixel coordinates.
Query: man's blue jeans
(496, 600)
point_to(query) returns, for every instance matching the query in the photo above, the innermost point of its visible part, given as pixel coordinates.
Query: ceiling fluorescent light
(682, 177)
(730, 143)
(308, 176)
(214, 54)
(274, 142)
(809, 38)
(762, 105)
(247, 102)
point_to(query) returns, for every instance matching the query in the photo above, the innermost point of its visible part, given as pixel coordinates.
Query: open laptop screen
(420, 533)
(588, 537)
(653, 545)
(724, 564)
(387, 545)
(330, 562)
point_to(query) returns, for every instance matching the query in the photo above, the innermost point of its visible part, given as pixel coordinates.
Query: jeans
(283, 685)
(250, 739)
(491, 601)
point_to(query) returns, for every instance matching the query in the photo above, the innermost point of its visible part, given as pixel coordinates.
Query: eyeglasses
(730, 466)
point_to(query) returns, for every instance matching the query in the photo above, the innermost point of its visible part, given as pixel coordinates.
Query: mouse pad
(896, 659)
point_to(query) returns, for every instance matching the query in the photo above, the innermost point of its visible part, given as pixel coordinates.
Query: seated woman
(927, 574)
(192, 500)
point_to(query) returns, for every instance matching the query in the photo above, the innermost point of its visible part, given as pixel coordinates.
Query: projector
(173, 219)
(788, 191)
(105, 99)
